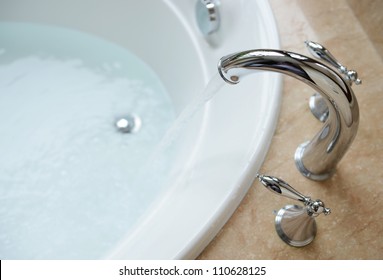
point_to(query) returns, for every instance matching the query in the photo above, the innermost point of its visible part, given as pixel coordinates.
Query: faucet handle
(319, 51)
(295, 225)
(280, 187)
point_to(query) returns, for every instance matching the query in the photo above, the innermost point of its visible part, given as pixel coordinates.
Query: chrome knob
(317, 103)
(319, 51)
(295, 224)
(207, 16)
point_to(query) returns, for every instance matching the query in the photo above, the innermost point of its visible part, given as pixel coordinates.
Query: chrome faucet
(315, 159)
(294, 224)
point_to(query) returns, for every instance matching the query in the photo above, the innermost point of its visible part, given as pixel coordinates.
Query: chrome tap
(295, 224)
(315, 159)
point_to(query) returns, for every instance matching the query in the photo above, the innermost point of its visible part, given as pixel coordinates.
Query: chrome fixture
(129, 123)
(315, 159)
(318, 107)
(317, 103)
(207, 16)
(321, 52)
(295, 224)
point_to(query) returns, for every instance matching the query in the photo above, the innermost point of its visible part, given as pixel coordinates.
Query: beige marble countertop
(353, 31)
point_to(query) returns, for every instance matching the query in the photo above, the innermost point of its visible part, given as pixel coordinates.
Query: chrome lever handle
(294, 224)
(280, 187)
(319, 51)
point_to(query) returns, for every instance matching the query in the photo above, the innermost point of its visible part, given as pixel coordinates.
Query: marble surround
(353, 32)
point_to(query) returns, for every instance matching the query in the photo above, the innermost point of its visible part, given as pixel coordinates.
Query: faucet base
(304, 171)
(294, 226)
(319, 107)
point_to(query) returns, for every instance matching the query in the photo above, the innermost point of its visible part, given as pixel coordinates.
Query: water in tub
(65, 171)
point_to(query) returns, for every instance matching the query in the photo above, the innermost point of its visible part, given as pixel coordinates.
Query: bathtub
(66, 189)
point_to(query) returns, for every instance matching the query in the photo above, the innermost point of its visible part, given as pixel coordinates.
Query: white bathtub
(229, 138)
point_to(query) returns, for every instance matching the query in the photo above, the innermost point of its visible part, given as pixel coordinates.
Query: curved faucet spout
(315, 159)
